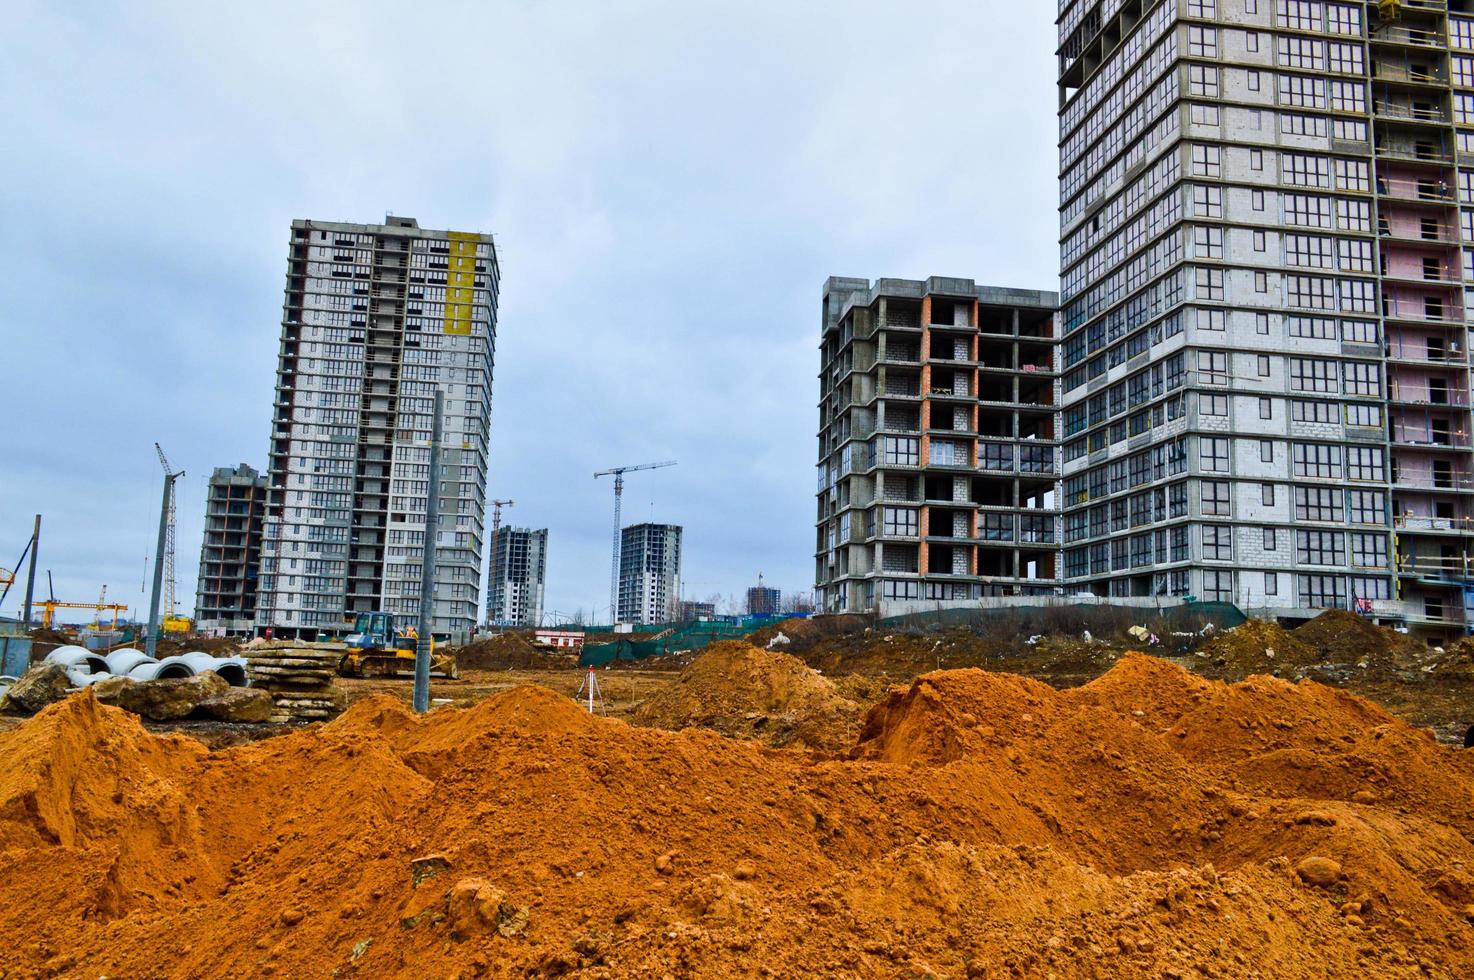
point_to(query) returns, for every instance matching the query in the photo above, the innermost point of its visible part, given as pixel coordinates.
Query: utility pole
(151, 643)
(427, 565)
(31, 572)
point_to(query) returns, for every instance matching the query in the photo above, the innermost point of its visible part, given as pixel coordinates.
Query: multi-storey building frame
(230, 554)
(649, 574)
(517, 578)
(938, 448)
(1266, 225)
(375, 318)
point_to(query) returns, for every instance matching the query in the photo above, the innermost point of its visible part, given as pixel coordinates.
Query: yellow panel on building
(460, 281)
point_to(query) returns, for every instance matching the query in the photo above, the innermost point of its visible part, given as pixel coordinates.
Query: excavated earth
(1150, 823)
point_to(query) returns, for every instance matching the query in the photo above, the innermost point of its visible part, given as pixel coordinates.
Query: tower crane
(171, 584)
(164, 563)
(618, 473)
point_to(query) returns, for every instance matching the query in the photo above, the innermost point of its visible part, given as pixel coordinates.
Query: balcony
(1423, 524)
(1406, 113)
(1403, 36)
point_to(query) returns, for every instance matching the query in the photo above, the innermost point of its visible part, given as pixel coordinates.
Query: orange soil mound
(744, 692)
(1150, 823)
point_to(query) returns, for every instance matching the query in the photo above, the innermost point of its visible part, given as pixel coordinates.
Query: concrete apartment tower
(235, 509)
(938, 451)
(649, 574)
(514, 590)
(376, 317)
(1266, 238)
(763, 600)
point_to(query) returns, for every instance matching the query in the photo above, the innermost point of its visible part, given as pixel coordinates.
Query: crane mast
(618, 473)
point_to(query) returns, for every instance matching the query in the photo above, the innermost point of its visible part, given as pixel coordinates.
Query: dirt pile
(1343, 637)
(510, 650)
(1151, 823)
(804, 633)
(1257, 647)
(744, 692)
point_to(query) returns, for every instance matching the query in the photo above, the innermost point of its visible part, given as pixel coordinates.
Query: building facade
(649, 574)
(514, 590)
(763, 600)
(1265, 250)
(375, 318)
(938, 449)
(691, 610)
(235, 509)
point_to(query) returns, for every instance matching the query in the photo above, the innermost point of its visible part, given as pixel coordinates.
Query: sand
(1149, 823)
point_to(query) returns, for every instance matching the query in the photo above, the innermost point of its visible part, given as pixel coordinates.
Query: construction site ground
(1425, 688)
(893, 813)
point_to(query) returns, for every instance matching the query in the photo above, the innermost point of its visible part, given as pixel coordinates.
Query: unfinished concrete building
(235, 508)
(514, 591)
(938, 452)
(375, 319)
(1267, 242)
(649, 574)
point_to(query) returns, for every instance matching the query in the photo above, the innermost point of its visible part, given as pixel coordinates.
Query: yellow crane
(50, 606)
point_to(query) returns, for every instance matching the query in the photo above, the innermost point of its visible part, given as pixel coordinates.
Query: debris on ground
(43, 684)
(1149, 823)
(299, 678)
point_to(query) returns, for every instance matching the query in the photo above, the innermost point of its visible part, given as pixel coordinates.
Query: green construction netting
(1186, 615)
(667, 638)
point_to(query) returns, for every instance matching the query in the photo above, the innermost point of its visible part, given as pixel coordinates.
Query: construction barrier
(668, 638)
(1177, 615)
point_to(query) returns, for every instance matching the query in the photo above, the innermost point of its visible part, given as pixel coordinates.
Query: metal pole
(614, 560)
(31, 573)
(151, 641)
(427, 564)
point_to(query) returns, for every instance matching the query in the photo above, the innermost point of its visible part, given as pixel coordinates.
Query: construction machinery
(380, 646)
(50, 605)
(618, 473)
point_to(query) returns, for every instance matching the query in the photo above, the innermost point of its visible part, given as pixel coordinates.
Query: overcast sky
(669, 184)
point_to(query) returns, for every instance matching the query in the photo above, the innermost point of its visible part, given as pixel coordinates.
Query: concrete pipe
(162, 670)
(79, 677)
(123, 661)
(78, 658)
(231, 669)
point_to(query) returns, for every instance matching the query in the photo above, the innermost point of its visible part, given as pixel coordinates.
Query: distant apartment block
(691, 611)
(1267, 246)
(514, 593)
(763, 600)
(649, 574)
(376, 317)
(235, 507)
(938, 451)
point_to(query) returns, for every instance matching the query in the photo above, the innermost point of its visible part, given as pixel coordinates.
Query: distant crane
(496, 527)
(618, 473)
(164, 563)
(171, 583)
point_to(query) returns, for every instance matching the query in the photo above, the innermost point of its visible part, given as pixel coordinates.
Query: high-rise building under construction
(938, 451)
(1267, 242)
(515, 581)
(376, 317)
(649, 574)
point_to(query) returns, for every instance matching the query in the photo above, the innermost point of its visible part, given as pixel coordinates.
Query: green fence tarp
(1178, 616)
(669, 638)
